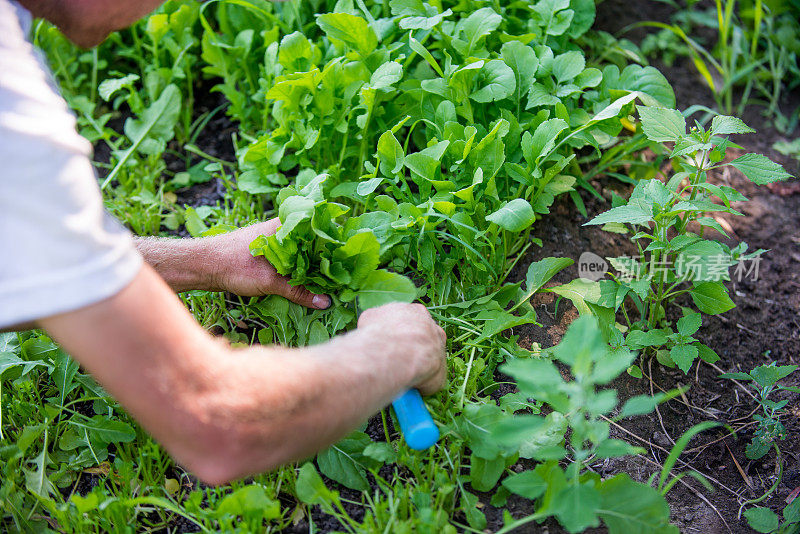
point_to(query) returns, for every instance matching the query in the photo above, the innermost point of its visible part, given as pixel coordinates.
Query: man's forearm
(229, 413)
(182, 263)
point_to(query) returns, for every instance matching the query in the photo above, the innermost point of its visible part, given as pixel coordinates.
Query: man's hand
(224, 263)
(411, 328)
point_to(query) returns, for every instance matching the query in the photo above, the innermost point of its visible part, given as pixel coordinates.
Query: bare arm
(228, 413)
(223, 263)
(88, 22)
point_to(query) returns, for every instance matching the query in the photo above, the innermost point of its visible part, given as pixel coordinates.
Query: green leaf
(577, 506)
(539, 145)
(723, 124)
(386, 75)
(689, 324)
(310, 488)
(768, 375)
(380, 452)
(104, 429)
(349, 29)
(108, 87)
(629, 507)
(497, 82)
(683, 356)
(471, 29)
(711, 298)
(340, 466)
(640, 405)
(629, 213)
(762, 519)
(484, 474)
(523, 61)
(150, 132)
(543, 270)
(792, 511)
(382, 287)
(390, 153)
(249, 502)
(568, 65)
(514, 216)
(529, 484)
(760, 169)
(662, 124)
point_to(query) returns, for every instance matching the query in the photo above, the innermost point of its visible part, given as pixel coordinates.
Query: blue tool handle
(416, 423)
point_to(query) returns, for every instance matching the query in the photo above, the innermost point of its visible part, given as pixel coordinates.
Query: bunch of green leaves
(673, 259)
(577, 496)
(340, 254)
(765, 381)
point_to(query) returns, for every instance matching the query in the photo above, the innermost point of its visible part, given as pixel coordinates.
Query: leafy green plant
(667, 221)
(770, 430)
(576, 496)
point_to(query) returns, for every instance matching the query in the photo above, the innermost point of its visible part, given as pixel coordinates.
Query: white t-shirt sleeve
(59, 249)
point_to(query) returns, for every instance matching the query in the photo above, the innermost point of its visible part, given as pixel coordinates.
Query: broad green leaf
(386, 75)
(150, 132)
(310, 488)
(577, 506)
(104, 429)
(689, 324)
(711, 298)
(683, 356)
(636, 339)
(391, 154)
(515, 216)
(484, 474)
(584, 15)
(662, 124)
(497, 81)
(471, 29)
(523, 61)
(640, 405)
(250, 501)
(762, 519)
(380, 451)
(110, 86)
(382, 287)
(760, 169)
(349, 29)
(340, 466)
(628, 214)
(529, 484)
(295, 48)
(723, 124)
(537, 146)
(543, 270)
(568, 65)
(156, 125)
(768, 375)
(629, 507)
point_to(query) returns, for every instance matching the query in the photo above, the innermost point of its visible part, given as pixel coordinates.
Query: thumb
(304, 297)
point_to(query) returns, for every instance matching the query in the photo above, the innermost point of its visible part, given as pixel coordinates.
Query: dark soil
(763, 327)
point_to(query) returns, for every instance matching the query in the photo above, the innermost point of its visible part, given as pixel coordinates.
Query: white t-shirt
(59, 249)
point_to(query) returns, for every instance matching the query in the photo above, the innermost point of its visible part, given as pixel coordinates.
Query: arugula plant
(667, 221)
(770, 430)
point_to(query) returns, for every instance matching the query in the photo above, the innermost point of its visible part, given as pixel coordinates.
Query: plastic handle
(416, 423)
